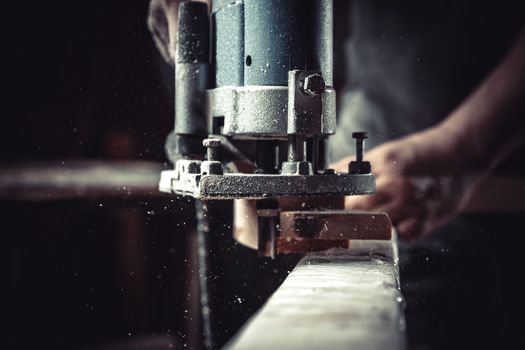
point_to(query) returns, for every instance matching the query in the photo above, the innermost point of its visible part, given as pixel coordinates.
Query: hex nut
(314, 84)
(359, 167)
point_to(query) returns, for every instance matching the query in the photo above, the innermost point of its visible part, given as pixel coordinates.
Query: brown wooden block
(335, 225)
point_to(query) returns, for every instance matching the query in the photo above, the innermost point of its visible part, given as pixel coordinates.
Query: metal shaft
(359, 137)
(315, 154)
(296, 148)
(203, 231)
(191, 77)
(359, 150)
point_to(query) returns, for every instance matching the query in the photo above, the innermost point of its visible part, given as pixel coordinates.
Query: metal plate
(258, 186)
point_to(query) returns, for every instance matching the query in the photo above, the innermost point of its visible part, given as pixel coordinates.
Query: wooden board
(338, 299)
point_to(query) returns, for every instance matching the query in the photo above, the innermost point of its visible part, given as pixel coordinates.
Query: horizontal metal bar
(62, 180)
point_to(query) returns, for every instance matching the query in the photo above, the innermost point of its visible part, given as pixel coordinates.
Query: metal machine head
(258, 84)
(254, 85)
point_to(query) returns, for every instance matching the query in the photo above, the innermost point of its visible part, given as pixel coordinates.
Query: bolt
(359, 144)
(212, 146)
(296, 147)
(314, 84)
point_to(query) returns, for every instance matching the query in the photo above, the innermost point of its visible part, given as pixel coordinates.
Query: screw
(314, 84)
(359, 144)
(212, 146)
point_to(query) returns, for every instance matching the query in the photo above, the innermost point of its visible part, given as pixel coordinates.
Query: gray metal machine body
(254, 85)
(257, 77)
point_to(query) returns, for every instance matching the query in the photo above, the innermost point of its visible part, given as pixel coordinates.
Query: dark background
(84, 81)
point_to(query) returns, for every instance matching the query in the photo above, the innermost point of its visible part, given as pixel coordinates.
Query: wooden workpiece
(335, 225)
(338, 299)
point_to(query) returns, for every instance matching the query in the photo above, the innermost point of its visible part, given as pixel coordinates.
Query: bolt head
(314, 84)
(211, 142)
(361, 135)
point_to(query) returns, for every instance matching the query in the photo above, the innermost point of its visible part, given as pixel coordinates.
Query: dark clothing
(408, 65)
(462, 285)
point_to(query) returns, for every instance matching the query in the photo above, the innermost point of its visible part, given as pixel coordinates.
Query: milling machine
(254, 107)
(254, 86)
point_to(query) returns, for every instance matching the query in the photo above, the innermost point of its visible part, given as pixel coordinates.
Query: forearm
(490, 123)
(424, 179)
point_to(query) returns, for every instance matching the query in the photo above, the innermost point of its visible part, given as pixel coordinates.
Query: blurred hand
(419, 182)
(162, 23)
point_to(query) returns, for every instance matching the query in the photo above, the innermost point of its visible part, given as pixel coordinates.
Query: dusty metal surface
(338, 299)
(230, 186)
(246, 110)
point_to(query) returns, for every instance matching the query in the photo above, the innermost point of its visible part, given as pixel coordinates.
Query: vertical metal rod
(359, 150)
(359, 144)
(292, 151)
(191, 77)
(277, 161)
(211, 153)
(203, 231)
(315, 154)
(296, 148)
(193, 323)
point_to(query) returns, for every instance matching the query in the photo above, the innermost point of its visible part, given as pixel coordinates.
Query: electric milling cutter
(254, 86)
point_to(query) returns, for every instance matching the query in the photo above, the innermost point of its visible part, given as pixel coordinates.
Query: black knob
(360, 138)
(359, 166)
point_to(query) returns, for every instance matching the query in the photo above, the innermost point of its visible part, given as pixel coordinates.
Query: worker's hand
(162, 23)
(419, 182)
